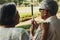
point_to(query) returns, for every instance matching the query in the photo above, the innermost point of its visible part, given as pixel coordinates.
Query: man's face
(44, 14)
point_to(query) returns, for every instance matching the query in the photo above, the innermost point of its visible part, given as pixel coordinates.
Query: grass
(24, 26)
(27, 26)
(25, 13)
(27, 16)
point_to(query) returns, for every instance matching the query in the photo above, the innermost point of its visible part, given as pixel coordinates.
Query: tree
(39, 1)
(2, 1)
(20, 2)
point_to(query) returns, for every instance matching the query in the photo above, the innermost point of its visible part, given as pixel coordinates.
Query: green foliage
(39, 1)
(2, 1)
(24, 26)
(18, 1)
(26, 4)
(27, 16)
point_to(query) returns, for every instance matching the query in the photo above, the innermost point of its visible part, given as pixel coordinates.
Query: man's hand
(34, 25)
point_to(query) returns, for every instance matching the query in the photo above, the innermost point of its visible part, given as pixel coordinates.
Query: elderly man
(51, 23)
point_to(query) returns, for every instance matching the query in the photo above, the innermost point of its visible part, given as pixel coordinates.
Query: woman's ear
(16, 18)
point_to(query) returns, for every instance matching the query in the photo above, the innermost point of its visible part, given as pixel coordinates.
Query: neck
(5, 26)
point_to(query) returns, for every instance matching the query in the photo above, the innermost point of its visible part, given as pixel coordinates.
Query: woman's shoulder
(18, 29)
(20, 33)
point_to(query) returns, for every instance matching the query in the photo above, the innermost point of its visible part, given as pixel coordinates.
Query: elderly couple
(49, 30)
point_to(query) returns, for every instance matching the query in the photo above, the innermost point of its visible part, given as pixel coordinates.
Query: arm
(32, 33)
(45, 28)
(44, 35)
(34, 25)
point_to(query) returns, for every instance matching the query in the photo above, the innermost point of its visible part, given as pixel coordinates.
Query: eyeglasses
(40, 10)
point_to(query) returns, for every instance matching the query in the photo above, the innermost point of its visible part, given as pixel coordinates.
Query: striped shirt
(54, 29)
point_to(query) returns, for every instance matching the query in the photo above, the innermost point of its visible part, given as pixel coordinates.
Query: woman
(9, 17)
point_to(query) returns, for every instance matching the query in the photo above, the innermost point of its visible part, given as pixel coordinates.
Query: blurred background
(24, 8)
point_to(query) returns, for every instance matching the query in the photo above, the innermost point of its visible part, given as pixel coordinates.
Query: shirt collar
(52, 18)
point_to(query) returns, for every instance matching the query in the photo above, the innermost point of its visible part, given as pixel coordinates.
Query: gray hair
(49, 5)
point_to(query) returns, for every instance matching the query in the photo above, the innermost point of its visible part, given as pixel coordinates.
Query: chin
(43, 18)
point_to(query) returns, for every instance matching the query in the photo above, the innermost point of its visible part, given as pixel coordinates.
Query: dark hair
(53, 7)
(8, 11)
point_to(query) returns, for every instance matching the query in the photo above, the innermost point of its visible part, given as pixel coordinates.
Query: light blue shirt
(13, 34)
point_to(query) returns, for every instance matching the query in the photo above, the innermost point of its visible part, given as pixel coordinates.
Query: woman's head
(8, 14)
